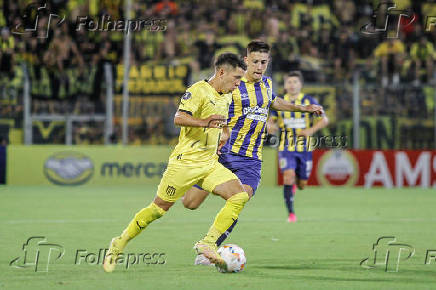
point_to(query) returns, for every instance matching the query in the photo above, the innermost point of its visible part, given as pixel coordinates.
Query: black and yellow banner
(149, 80)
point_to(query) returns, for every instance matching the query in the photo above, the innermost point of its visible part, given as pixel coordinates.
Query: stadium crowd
(323, 39)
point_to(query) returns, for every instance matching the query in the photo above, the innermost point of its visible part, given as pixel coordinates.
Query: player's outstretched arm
(185, 119)
(282, 105)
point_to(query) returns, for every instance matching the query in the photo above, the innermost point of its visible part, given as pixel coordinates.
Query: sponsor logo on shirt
(295, 123)
(256, 113)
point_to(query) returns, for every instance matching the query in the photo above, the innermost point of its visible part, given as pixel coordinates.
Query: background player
(202, 112)
(248, 114)
(296, 128)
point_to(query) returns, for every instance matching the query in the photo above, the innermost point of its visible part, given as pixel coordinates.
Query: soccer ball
(234, 256)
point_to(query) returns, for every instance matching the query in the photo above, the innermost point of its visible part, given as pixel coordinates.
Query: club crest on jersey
(186, 96)
(269, 94)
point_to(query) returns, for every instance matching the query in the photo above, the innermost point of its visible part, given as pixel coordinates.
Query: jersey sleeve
(269, 85)
(190, 101)
(313, 101)
(273, 94)
(273, 114)
(274, 97)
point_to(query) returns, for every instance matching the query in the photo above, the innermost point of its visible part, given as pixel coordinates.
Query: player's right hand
(214, 121)
(316, 109)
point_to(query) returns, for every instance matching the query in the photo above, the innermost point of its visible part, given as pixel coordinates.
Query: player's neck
(250, 79)
(293, 97)
(213, 81)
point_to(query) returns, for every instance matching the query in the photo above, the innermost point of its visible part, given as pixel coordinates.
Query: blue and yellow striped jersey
(290, 123)
(248, 114)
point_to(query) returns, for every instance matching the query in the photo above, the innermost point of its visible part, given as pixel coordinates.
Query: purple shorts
(246, 169)
(300, 162)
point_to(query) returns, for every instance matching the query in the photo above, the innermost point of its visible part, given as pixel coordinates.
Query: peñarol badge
(337, 168)
(186, 96)
(68, 168)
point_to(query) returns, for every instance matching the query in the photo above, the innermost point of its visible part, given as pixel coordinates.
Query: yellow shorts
(179, 177)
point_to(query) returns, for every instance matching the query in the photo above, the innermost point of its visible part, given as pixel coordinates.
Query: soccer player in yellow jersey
(295, 150)
(202, 113)
(248, 113)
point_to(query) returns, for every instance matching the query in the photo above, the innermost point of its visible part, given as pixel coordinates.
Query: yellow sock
(141, 220)
(227, 215)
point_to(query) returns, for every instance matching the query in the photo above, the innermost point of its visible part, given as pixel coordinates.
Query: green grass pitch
(335, 230)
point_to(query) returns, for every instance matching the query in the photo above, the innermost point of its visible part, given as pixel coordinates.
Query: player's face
(293, 85)
(257, 62)
(231, 77)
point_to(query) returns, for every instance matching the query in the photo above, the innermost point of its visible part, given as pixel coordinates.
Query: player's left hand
(316, 109)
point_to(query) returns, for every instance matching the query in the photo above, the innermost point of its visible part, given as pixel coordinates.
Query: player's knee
(158, 211)
(248, 189)
(239, 198)
(162, 205)
(289, 177)
(288, 181)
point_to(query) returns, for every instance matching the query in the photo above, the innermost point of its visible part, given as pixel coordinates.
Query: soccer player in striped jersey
(295, 148)
(248, 114)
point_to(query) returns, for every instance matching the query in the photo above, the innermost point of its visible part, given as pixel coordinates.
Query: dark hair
(230, 59)
(296, 73)
(259, 46)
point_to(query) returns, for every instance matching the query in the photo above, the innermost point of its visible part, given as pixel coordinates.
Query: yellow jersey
(197, 144)
(290, 123)
(386, 48)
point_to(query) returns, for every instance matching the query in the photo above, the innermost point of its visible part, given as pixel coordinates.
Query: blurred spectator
(344, 55)
(422, 55)
(345, 11)
(282, 52)
(7, 45)
(310, 63)
(390, 56)
(168, 46)
(325, 44)
(272, 26)
(206, 49)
